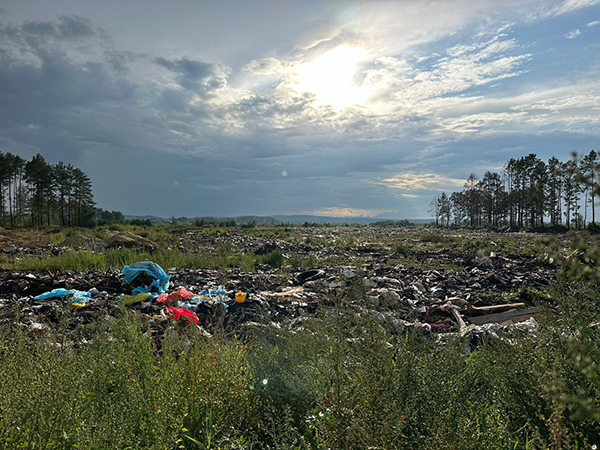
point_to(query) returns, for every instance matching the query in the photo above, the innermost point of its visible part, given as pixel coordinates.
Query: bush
(432, 237)
(273, 259)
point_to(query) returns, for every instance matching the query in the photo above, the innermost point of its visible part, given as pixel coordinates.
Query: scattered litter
(174, 297)
(349, 273)
(78, 298)
(309, 275)
(450, 290)
(131, 299)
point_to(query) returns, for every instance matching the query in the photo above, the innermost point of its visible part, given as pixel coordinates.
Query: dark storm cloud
(84, 107)
(47, 97)
(31, 91)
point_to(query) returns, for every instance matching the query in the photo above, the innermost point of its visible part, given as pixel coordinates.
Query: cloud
(66, 27)
(120, 61)
(594, 23)
(446, 100)
(475, 65)
(580, 98)
(393, 27)
(568, 108)
(573, 34)
(196, 75)
(422, 181)
(266, 66)
(568, 6)
(337, 211)
(56, 97)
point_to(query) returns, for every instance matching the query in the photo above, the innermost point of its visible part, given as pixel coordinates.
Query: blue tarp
(161, 279)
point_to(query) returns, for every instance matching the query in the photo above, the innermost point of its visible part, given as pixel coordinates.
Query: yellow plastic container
(240, 297)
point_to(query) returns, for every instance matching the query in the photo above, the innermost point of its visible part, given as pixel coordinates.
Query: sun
(331, 77)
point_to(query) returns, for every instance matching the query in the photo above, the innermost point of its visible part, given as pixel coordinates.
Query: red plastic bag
(177, 313)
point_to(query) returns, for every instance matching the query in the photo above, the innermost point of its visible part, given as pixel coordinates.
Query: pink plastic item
(174, 297)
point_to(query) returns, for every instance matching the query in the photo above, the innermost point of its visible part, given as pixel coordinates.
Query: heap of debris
(468, 301)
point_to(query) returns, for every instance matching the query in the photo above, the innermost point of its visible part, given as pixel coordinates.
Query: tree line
(35, 193)
(527, 193)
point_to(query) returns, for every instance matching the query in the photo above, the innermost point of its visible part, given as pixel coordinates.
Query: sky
(343, 108)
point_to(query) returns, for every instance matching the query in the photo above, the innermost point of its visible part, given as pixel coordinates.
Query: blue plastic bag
(161, 279)
(55, 293)
(76, 296)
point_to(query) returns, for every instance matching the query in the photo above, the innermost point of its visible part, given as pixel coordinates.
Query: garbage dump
(474, 301)
(440, 291)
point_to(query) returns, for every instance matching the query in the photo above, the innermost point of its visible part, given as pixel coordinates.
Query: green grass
(115, 259)
(342, 381)
(223, 257)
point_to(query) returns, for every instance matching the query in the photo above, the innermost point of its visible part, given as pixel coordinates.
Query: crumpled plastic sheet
(438, 326)
(78, 298)
(131, 299)
(177, 313)
(161, 279)
(174, 297)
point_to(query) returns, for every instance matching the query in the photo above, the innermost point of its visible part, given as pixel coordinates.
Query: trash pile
(435, 301)
(475, 297)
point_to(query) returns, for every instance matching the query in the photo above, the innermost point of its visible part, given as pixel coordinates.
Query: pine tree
(472, 200)
(458, 207)
(3, 182)
(589, 168)
(83, 199)
(63, 180)
(434, 209)
(571, 191)
(554, 191)
(445, 207)
(38, 175)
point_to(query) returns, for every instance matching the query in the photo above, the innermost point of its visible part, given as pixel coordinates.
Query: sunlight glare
(331, 77)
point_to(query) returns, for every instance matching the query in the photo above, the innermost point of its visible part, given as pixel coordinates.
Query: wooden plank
(477, 309)
(291, 293)
(515, 315)
(459, 319)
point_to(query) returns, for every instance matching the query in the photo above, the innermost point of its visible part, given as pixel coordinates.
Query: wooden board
(493, 308)
(514, 315)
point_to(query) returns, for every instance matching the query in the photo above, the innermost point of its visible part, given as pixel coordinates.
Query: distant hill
(240, 220)
(152, 218)
(270, 220)
(296, 219)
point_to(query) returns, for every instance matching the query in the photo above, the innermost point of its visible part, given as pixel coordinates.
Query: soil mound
(129, 240)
